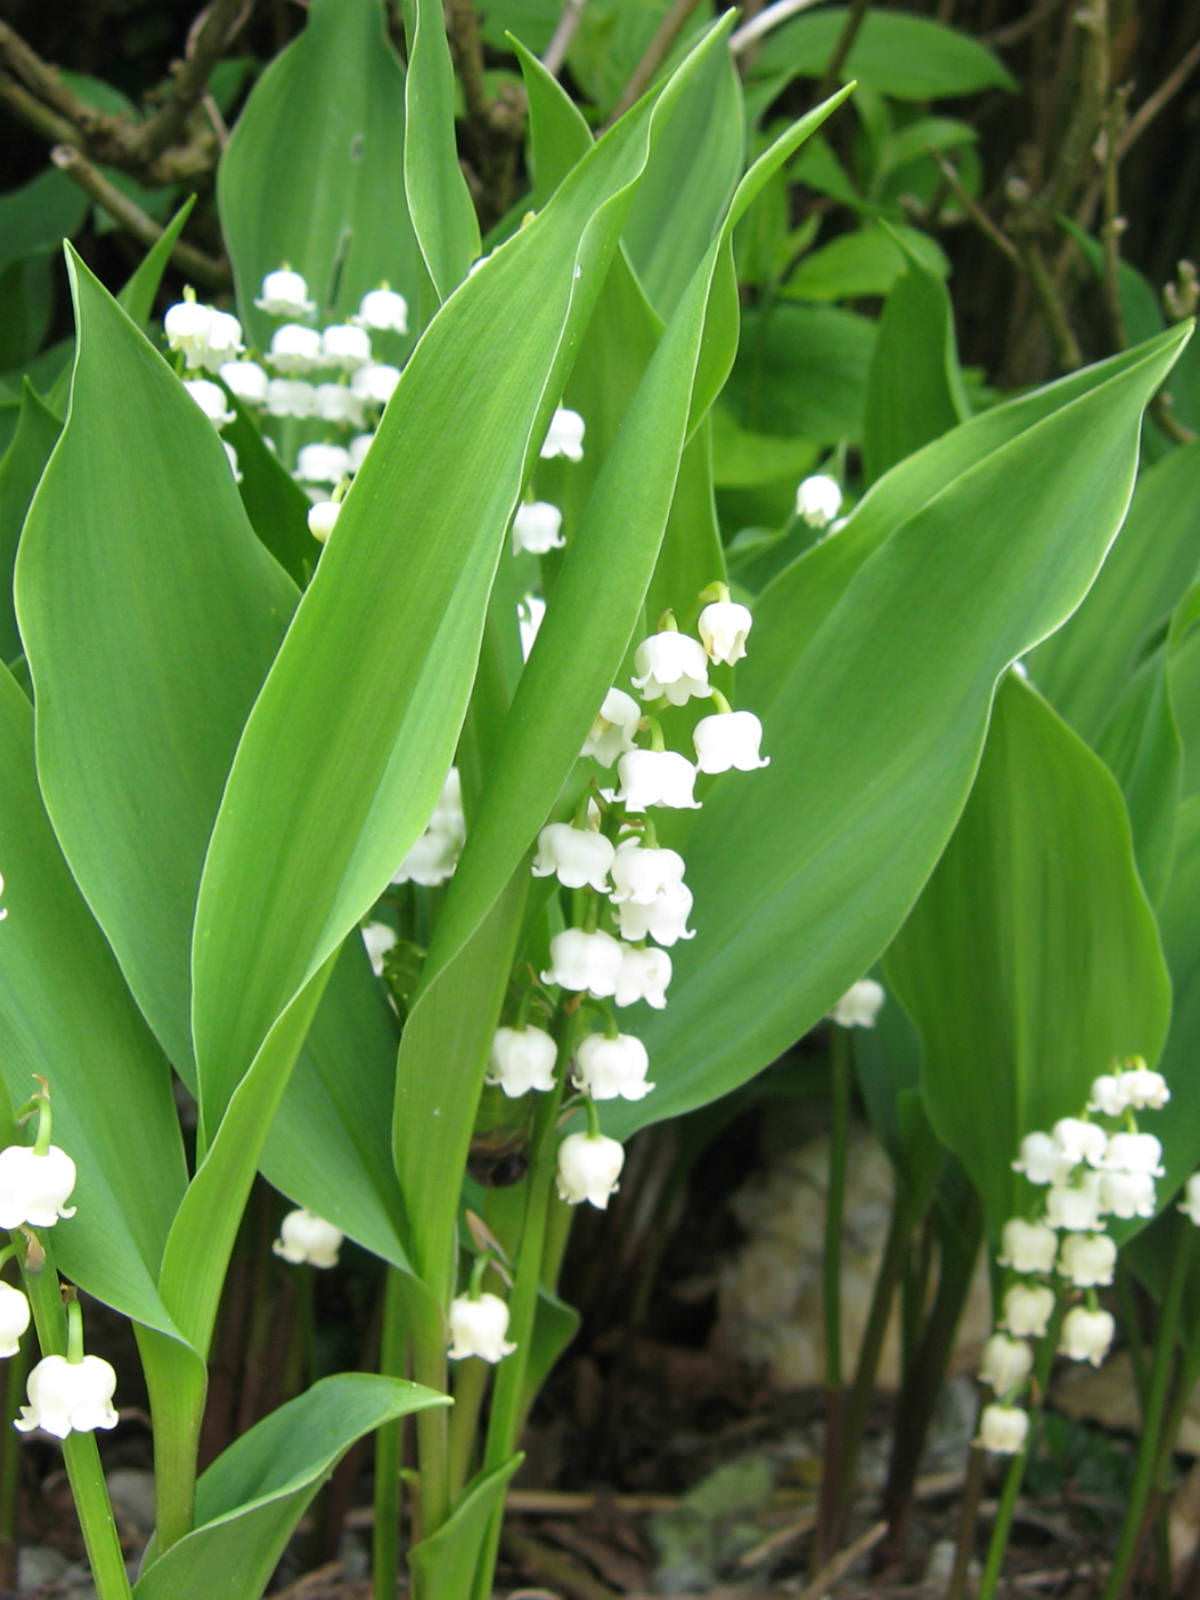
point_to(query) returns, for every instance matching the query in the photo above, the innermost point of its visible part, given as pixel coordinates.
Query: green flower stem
(835, 1199)
(88, 1488)
(470, 1386)
(385, 1534)
(508, 1394)
(1127, 1301)
(964, 1544)
(15, 1371)
(998, 1543)
(1150, 1443)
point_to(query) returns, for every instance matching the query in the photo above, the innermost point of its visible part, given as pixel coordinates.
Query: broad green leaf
(66, 1014)
(875, 727)
(148, 643)
(313, 174)
(914, 386)
(1178, 1124)
(575, 658)
(1141, 745)
(445, 1563)
(916, 139)
(275, 503)
(20, 469)
(1031, 960)
(1083, 667)
(35, 218)
(612, 38)
(137, 297)
(865, 262)
(906, 57)
(249, 1501)
(801, 371)
(443, 217)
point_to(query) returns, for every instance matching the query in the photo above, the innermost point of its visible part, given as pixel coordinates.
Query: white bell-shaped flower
(383, 309)
(860, 1005)
(322, 463)
(537, 528)
(210, 397)
(818, 500)
(379, 939)
(612, 733)
(1075, 1208)
(1042, 1160)
(186, 325)
(612, 1069)
(641, 875)
(663, 920)
(530, 612)
(1080, 1141)
(1027, 1246)
(644, 975)
(1087, 1260)
(1144, 1089)
(1107, 1094)
(1190, 1203)
(431, 860)
(723, 627)
(285, 294)
(582, 961)
(1128, 1194)
(564, 437)
(1134, 1152)
(1028, 1308)
(1003, 1429)
(1086, 1335)
(14, 1319)
(1005, 1363)
(477, 1328)
(657, 778)
(305, 1237)
(671, 665)
(575, 856)
(336, 403)
(375, 384)
(69, 1396)
(346, 346)
(729, 739)
(294, 349)
(291, 397)
(231, 457)
(522, 1059)
(245, 379)
(224, 340)
(358, 448)
(34, 1189)
(588, 1169)
(322, 518)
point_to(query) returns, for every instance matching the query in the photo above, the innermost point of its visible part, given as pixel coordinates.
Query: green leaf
(275, 503)
(801, 371)
(1178, 1125)
(611, 39)
(875, 721)
(906, 57)
(249, 1501)
(444, 1564)
(1141, 745)
(865, 262)
(66, 1014)
(443, 216)
(1032, 960)
(137, 297)
(35, 218)
(311, 175)
(914, 386)
(21, 468)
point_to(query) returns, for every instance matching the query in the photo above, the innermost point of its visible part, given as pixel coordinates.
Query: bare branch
(654, 55)
(564, 34)
(210, 36)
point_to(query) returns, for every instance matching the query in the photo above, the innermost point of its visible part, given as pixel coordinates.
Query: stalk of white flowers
(657, 778)
(537, 528)
(1087, 1260)
(1027, 1246)
(291, 397)
(728, 739)
(1087, 1335)
(1190, 1204)
(612, 1068)
(285, 294)
(305, 1238)
(723, 626)
(346, 346)
(564, 437)
(642, 874)
(1080, 1141)
(1027, 1310)
(671, 665)
(644, 975)
(358, 448)
(335, 403)
(1042, 1159)
(204, 336)
(14, 1319)
(295, 349)
(434, 856)
(477, 1325)
(612, 732)
(383, 309)
(522, 1059)
(1003, 1429)
(818, 500)
(322, 463)
(1005, 1363)
(664, 919)
(585, 962)
(375, 383)
(589, 1166)
(246, 380)
(210, 397)
(71, 1393)
(378, 939)
(575, 856)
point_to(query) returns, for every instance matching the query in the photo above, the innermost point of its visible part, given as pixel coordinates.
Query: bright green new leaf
(275, 503)
(1141, 745)
(801, 371)
(865, 262)
(445, 1563)
(137, 297)
(66, 1014)
(20, 470)
(1031, 961)
(1178, 1125)
(35, 218)
(874, 724)
(313, 175)
(249, 1501)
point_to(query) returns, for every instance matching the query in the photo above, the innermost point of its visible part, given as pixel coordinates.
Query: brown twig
(774, 16)
(1066, 345)
(563, 36)
(654, 55)
(843, 1561)
(202, 269)
(467, 49)
(843, 47)
(209, 38)
(29, 109)
(975, 211)
(559, 1569)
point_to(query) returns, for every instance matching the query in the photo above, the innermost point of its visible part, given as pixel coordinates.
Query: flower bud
(1003, 1429)
(245, 379)
(522, 1059)
(1087, 1260)
(644, 975)
(1028, 1308)
(641, 876)
(657, 778)
(1042, 1160)
(210, 397)
(477, 1328)
(285, 294)
(1080, 1141)
(673, 665)
(818, 500)
(723, 627)
(34, 1189)
(665, 920)
(1145, 1090)
(1075, 1209)
(564, 437)
(322, 518)
(375, 384)
(322, 463)
(585, 961)
(1005, 1363)
(295, 348)
(575, 856)
(346, 346)
(1086, 1335)
(1134, 1152)
(14, 1319)
(1027, 1246)
(537, 528)
(304, 1237)
(1107, 1094)
(383, 309)
(612, 1069)
(729, 739)
(379, 939)
(1128, 1194)
(588, 1169)
(860, 1005)
(69, 1396)
(611, 734)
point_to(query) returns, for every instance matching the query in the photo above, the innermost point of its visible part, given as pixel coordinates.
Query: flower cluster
(1089, 1171)
(630, 902)
(328, 376)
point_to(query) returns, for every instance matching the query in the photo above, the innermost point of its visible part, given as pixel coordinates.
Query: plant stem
(82, 1458)
(470, 1386)
(385, 1533)
(15, 1370)
(998, 1543)
(965, 1543)
(835, 1203)
(1151, 1442)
